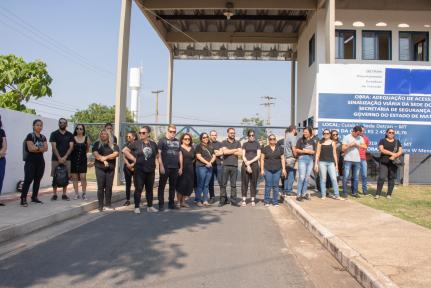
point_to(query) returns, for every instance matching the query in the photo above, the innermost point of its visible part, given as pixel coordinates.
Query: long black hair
(310, 130)
(76, 127)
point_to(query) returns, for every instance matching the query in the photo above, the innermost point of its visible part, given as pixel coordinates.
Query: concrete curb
(19, 230)
(367, 275)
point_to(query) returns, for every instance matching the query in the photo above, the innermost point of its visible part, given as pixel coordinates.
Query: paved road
(207, 247)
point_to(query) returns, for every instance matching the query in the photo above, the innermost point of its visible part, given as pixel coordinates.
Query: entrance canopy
(223, 29)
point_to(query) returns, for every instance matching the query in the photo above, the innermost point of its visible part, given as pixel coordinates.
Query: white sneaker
(109, 209)
(388, 196)
(376, 197)
(151, 209)
(76, 197)
(253, 203)
(323, 197)
(243, 203)
(276, 205)
(266, 205)
(137, 211)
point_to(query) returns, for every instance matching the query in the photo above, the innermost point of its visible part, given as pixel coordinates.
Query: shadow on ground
(119, 243)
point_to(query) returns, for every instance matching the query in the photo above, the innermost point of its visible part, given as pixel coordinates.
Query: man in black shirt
(62, 146)
(231, 150)
(216, 173)
(170, 166)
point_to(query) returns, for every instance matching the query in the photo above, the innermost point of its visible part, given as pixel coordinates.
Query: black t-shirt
(170, 152)
(2, 135)
(232, 159)
(206, 152)
(105, 150)
(38, 141)
(272, 158)
(250, 149)
(62, 143)
(306, 144)
(145, 154)
(390, 146)
(217, 146)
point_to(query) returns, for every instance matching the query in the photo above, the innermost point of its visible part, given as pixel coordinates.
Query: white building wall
(17, 125)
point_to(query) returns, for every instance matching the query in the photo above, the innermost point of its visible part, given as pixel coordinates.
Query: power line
(268, 105)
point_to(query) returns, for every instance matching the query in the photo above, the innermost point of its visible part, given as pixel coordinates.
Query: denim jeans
(328, 168)
(204, 176)
(364, 176)
(216, 174)
(355, 166)
(271, 182)
(288, 182)
(305, 166)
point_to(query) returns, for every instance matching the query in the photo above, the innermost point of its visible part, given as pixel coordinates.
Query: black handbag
(399, 161)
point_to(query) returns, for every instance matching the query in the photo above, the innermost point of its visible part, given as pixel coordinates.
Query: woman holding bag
(391, 152)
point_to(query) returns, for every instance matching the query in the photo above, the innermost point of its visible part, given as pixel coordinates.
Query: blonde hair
(110, 138)
(172, 126)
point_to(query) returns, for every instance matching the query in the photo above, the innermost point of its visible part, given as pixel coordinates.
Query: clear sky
(78, 41)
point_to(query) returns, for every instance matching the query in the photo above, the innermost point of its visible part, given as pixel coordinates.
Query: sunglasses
(205, 137)
(143, 133)
(172, 131)
(391, 132)
(326, 133)
(186, 139)
(271, 139)
(81, 129)
(334, 134)
(252, 135)
(62, 122)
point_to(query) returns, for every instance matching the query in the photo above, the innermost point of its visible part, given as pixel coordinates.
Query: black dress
(79, 157)
(186, 180)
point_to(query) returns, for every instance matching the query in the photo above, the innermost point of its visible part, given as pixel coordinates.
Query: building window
(376, 45)
(345, 44)
(311, 50)
(414, 46)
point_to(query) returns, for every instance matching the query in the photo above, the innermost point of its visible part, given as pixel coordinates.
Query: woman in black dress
(185, 181)
(78, 169)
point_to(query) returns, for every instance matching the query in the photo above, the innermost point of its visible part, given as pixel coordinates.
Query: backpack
(25, 151)
(61, 176)
(19, 186)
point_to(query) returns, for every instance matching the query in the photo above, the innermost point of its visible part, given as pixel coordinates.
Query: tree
(252, 123)
(97, 113)
(20, 81)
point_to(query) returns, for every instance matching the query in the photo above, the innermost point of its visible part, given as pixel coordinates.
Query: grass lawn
(411, 203)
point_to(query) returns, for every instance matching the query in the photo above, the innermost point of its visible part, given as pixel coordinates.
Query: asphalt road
(202, 247)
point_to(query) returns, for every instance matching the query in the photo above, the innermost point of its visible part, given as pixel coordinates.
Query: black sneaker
(222, 203)
(356, 195)
(24, 202)
(2, 204)
(127, 203)
(212, 200)
(307, 197)
(36, 201)
(54, 198)
(161, 208)
(64, 197)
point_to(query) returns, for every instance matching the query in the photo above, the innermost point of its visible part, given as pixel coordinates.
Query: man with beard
(62, 146)
(216, 173)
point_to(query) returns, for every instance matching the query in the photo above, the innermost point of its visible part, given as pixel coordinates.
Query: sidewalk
(379, 249)
(16, 221)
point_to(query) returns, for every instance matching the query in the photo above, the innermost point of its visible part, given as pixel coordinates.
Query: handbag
(399, 160)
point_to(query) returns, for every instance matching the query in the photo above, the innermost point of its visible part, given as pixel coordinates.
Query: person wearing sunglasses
(231, 149)
(170, 166)
(185, 182)
(142, 155)
(128, 169)
(62, 146)
(78, 160)
(217, 165)
(205, 158)
(272, 166)
(305, 149)
(390, 149)
(352, 160)
(327, 163)
(250, 167)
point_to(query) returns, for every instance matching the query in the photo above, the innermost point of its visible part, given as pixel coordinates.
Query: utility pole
(268, 103)
(157, 92)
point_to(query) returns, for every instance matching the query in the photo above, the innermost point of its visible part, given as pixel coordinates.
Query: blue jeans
(355, 166)
(364, 176)
(272, 178)
(305, 166)
(2, 172)
(288, 183)
(204, 176)
(326, 168)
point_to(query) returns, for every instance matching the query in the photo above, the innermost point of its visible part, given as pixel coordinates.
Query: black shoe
(299, 198)
(212, 200)
(161, 208)
(234, 203)
(222, 203)
(54, 198)
(127, 203)
(356, 195)
(24, 202)
(2, 204)
(172, 207)
(64, 197)
(36, 201)
(307, 197)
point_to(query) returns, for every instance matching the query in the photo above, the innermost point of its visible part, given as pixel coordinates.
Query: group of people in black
(189, 167)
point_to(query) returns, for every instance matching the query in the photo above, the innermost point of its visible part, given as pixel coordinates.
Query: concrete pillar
(121, 82)
(406, 170)
(292, 92)
(170, 82)
(330, 31)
